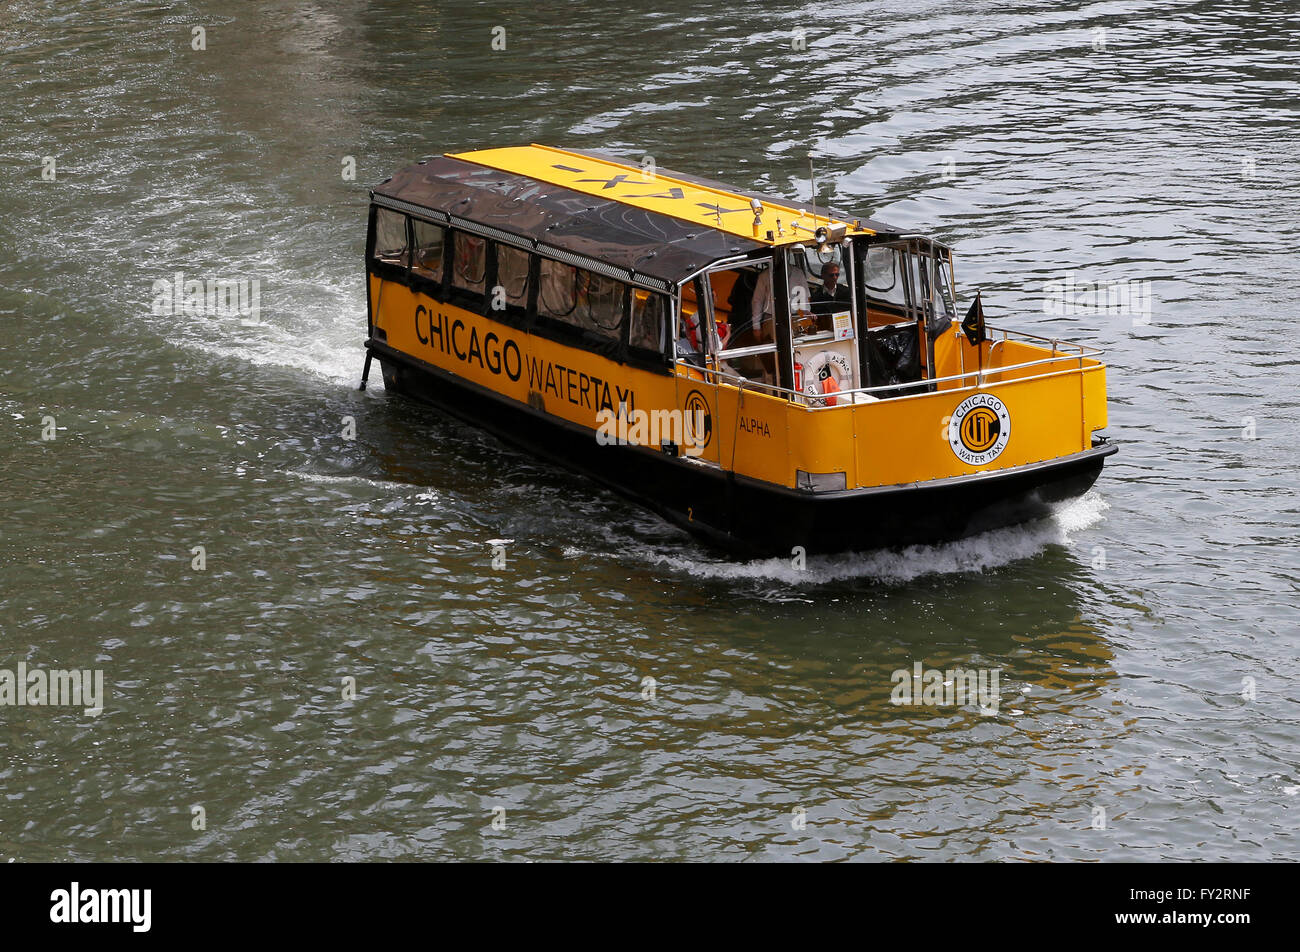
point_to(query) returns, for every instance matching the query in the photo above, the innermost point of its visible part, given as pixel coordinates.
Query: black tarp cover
(635, 239)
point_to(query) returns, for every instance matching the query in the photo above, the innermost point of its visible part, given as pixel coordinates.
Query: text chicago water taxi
(764, 374)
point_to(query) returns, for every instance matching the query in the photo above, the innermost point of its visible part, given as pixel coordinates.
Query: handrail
(1091, 351)
(724, 378)
(752, 350)
(979, 375)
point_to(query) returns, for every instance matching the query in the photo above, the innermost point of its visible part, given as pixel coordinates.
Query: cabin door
(696, 411)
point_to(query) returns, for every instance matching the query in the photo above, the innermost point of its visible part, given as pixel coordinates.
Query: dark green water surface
(1146, 635)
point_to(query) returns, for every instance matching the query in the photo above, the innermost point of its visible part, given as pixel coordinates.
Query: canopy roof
(666, 227)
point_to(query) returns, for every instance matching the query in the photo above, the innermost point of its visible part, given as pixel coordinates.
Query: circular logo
(698, 421)
(979, 429)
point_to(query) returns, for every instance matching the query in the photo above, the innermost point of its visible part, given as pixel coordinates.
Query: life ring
(826, 373)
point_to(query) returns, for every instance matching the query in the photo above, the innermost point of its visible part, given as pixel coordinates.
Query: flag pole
(972, 326)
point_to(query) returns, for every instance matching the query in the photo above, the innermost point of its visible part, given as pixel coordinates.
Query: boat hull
(747, 517)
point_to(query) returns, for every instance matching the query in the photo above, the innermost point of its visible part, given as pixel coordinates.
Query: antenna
(812, 180)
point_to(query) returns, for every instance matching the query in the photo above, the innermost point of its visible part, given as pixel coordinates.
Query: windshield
(825, 280)
(907, 280)
(881, 276)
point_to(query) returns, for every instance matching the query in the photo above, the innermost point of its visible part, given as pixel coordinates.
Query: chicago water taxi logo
(699, 421)
(685, 432)
(979, 429)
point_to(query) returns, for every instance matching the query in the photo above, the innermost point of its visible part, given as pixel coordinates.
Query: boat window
(733, 295)
(762, 311)
(733, 291)
(426, 259)
(648, 333)
(881, 277)
(599, 304)
(759, 367)
(390, 237)
(469, 262)
(556, 296)
(898, 281)
(512, 276)
(918, 276)
(923, 264)
(827, 277)
(582, 307)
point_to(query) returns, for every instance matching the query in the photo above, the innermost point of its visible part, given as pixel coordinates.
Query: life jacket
(829, 386)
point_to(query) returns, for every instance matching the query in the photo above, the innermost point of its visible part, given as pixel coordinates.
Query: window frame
(660, 360)
(387, 270)
(422, 282)
(612, 347)
(704, 314)
(476, 302)
(514, 315)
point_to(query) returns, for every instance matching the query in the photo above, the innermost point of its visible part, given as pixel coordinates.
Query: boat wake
(315, 326)
(979, 553)
(346, 480)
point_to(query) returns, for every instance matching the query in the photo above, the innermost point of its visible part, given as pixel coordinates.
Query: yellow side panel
(372, 288)
(751, 430)
(905, 440)
(697, 401)
(948, 357)
(1006, 353)
(454, 339)
(822, 441)
(1095, 414)
(568, 383)
(885, 442)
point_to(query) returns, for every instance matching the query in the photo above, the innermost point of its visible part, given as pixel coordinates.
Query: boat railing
(1061, 350)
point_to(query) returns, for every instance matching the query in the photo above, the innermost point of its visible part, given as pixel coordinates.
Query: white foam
(354, 481)
(338, 360)
(311, 323)
(1079, 514)
(978, 553)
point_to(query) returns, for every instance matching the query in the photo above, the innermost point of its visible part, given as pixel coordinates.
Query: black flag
(973, 323)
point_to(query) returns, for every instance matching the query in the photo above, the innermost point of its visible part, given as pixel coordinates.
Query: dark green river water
(1146, 636)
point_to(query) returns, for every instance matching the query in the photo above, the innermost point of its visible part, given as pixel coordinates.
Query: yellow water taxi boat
(767, 374)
